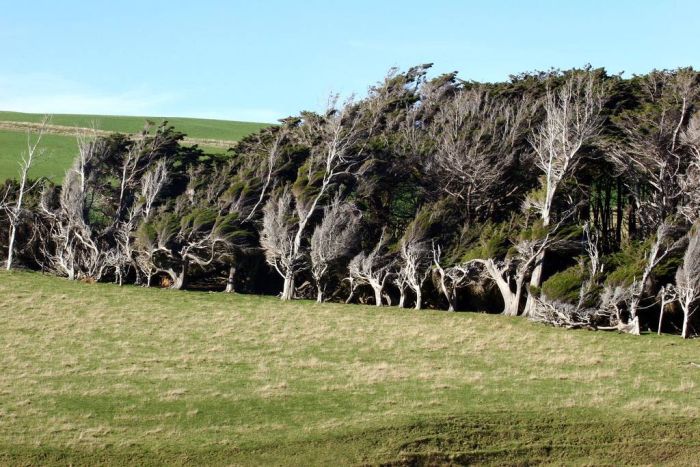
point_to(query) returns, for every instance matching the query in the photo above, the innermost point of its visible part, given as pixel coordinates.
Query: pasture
(60, 145)
(98, 374)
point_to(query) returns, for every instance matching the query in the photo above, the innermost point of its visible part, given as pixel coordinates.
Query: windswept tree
(12, 203)
(573, 119)
(277, 238)
(688, 280)
(332, 241)
(337, 141)
(374, 269)
(414, 262)
(477, 139)
(652, 156)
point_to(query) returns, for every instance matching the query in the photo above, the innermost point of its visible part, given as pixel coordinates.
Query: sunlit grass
(98, 373)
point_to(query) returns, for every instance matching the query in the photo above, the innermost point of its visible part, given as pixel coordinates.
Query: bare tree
(277, 238)
(449, 278)
(335, 153)
(414, 262)
(267, 170)
(572, 120)
(476, 138)
(14, 209)
(151, 183)
(374, 268)
(70, 248)
(651, 155)
(690, 180)
(688, 280)
(512, 271)
(332, 241)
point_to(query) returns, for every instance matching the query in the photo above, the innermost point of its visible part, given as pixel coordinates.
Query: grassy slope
(61, 149)
(101, 374)
(193, 127)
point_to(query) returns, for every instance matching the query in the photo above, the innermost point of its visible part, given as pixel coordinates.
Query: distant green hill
(60, 148)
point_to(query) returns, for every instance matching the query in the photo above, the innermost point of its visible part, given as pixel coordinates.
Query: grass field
(97, 374)
(61, 148)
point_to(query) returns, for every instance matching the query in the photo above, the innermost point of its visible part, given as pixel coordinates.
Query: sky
(264, 60)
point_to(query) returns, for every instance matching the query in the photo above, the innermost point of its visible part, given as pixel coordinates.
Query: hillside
(60, 145)
(99, 374)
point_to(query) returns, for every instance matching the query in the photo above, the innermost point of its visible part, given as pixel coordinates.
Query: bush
(565, 286)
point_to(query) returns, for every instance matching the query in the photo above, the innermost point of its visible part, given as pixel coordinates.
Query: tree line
(568, 197)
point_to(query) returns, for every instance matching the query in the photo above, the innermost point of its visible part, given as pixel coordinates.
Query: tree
(14, 209)
(572, 120)
(414, 264)
(332, 241)
(277, 238)
(336, 141)
(374, 268)
(477, 137)
(688, 280)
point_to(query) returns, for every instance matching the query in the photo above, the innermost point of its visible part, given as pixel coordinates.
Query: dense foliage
(570, 197)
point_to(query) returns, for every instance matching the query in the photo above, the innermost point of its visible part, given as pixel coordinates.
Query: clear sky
(262, 60)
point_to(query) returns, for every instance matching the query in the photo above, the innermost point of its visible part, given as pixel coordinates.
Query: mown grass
(100, 374)
(60, 150)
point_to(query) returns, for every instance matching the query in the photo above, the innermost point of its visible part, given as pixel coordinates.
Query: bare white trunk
(419, 299)
(288, 288)
(230, 280)
(11, 246)
(377, 294)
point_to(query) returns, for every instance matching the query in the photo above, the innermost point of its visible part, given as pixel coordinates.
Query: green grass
(97, 374)
(194, 127)
(60, 149)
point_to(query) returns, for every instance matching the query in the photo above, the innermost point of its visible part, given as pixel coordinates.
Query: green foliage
(628, 264)
(488, 241)
(199, 219)
(565, 286)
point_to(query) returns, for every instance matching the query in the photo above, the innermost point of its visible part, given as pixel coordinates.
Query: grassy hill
(212, 135)
(97, 374)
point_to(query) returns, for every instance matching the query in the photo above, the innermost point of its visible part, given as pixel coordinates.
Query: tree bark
(231, 279)
(419, 299)
(11, 245)
(377, 295)
(288, 288)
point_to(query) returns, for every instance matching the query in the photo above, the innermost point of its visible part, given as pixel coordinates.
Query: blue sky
(249, 60)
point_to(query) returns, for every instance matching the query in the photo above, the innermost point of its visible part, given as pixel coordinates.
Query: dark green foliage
(565, 286)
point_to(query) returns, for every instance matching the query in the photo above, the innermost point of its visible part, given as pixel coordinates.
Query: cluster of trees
(569, 197)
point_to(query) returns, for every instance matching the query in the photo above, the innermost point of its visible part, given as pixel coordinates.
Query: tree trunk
(231, 279)
(511, 301)
(11, 245)
(686, 318)
(179, 279)
(319, 295)
(402, 298)
(535, 281)
(288, 288)
(630, 328)
(419, 299)
(377, 295)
